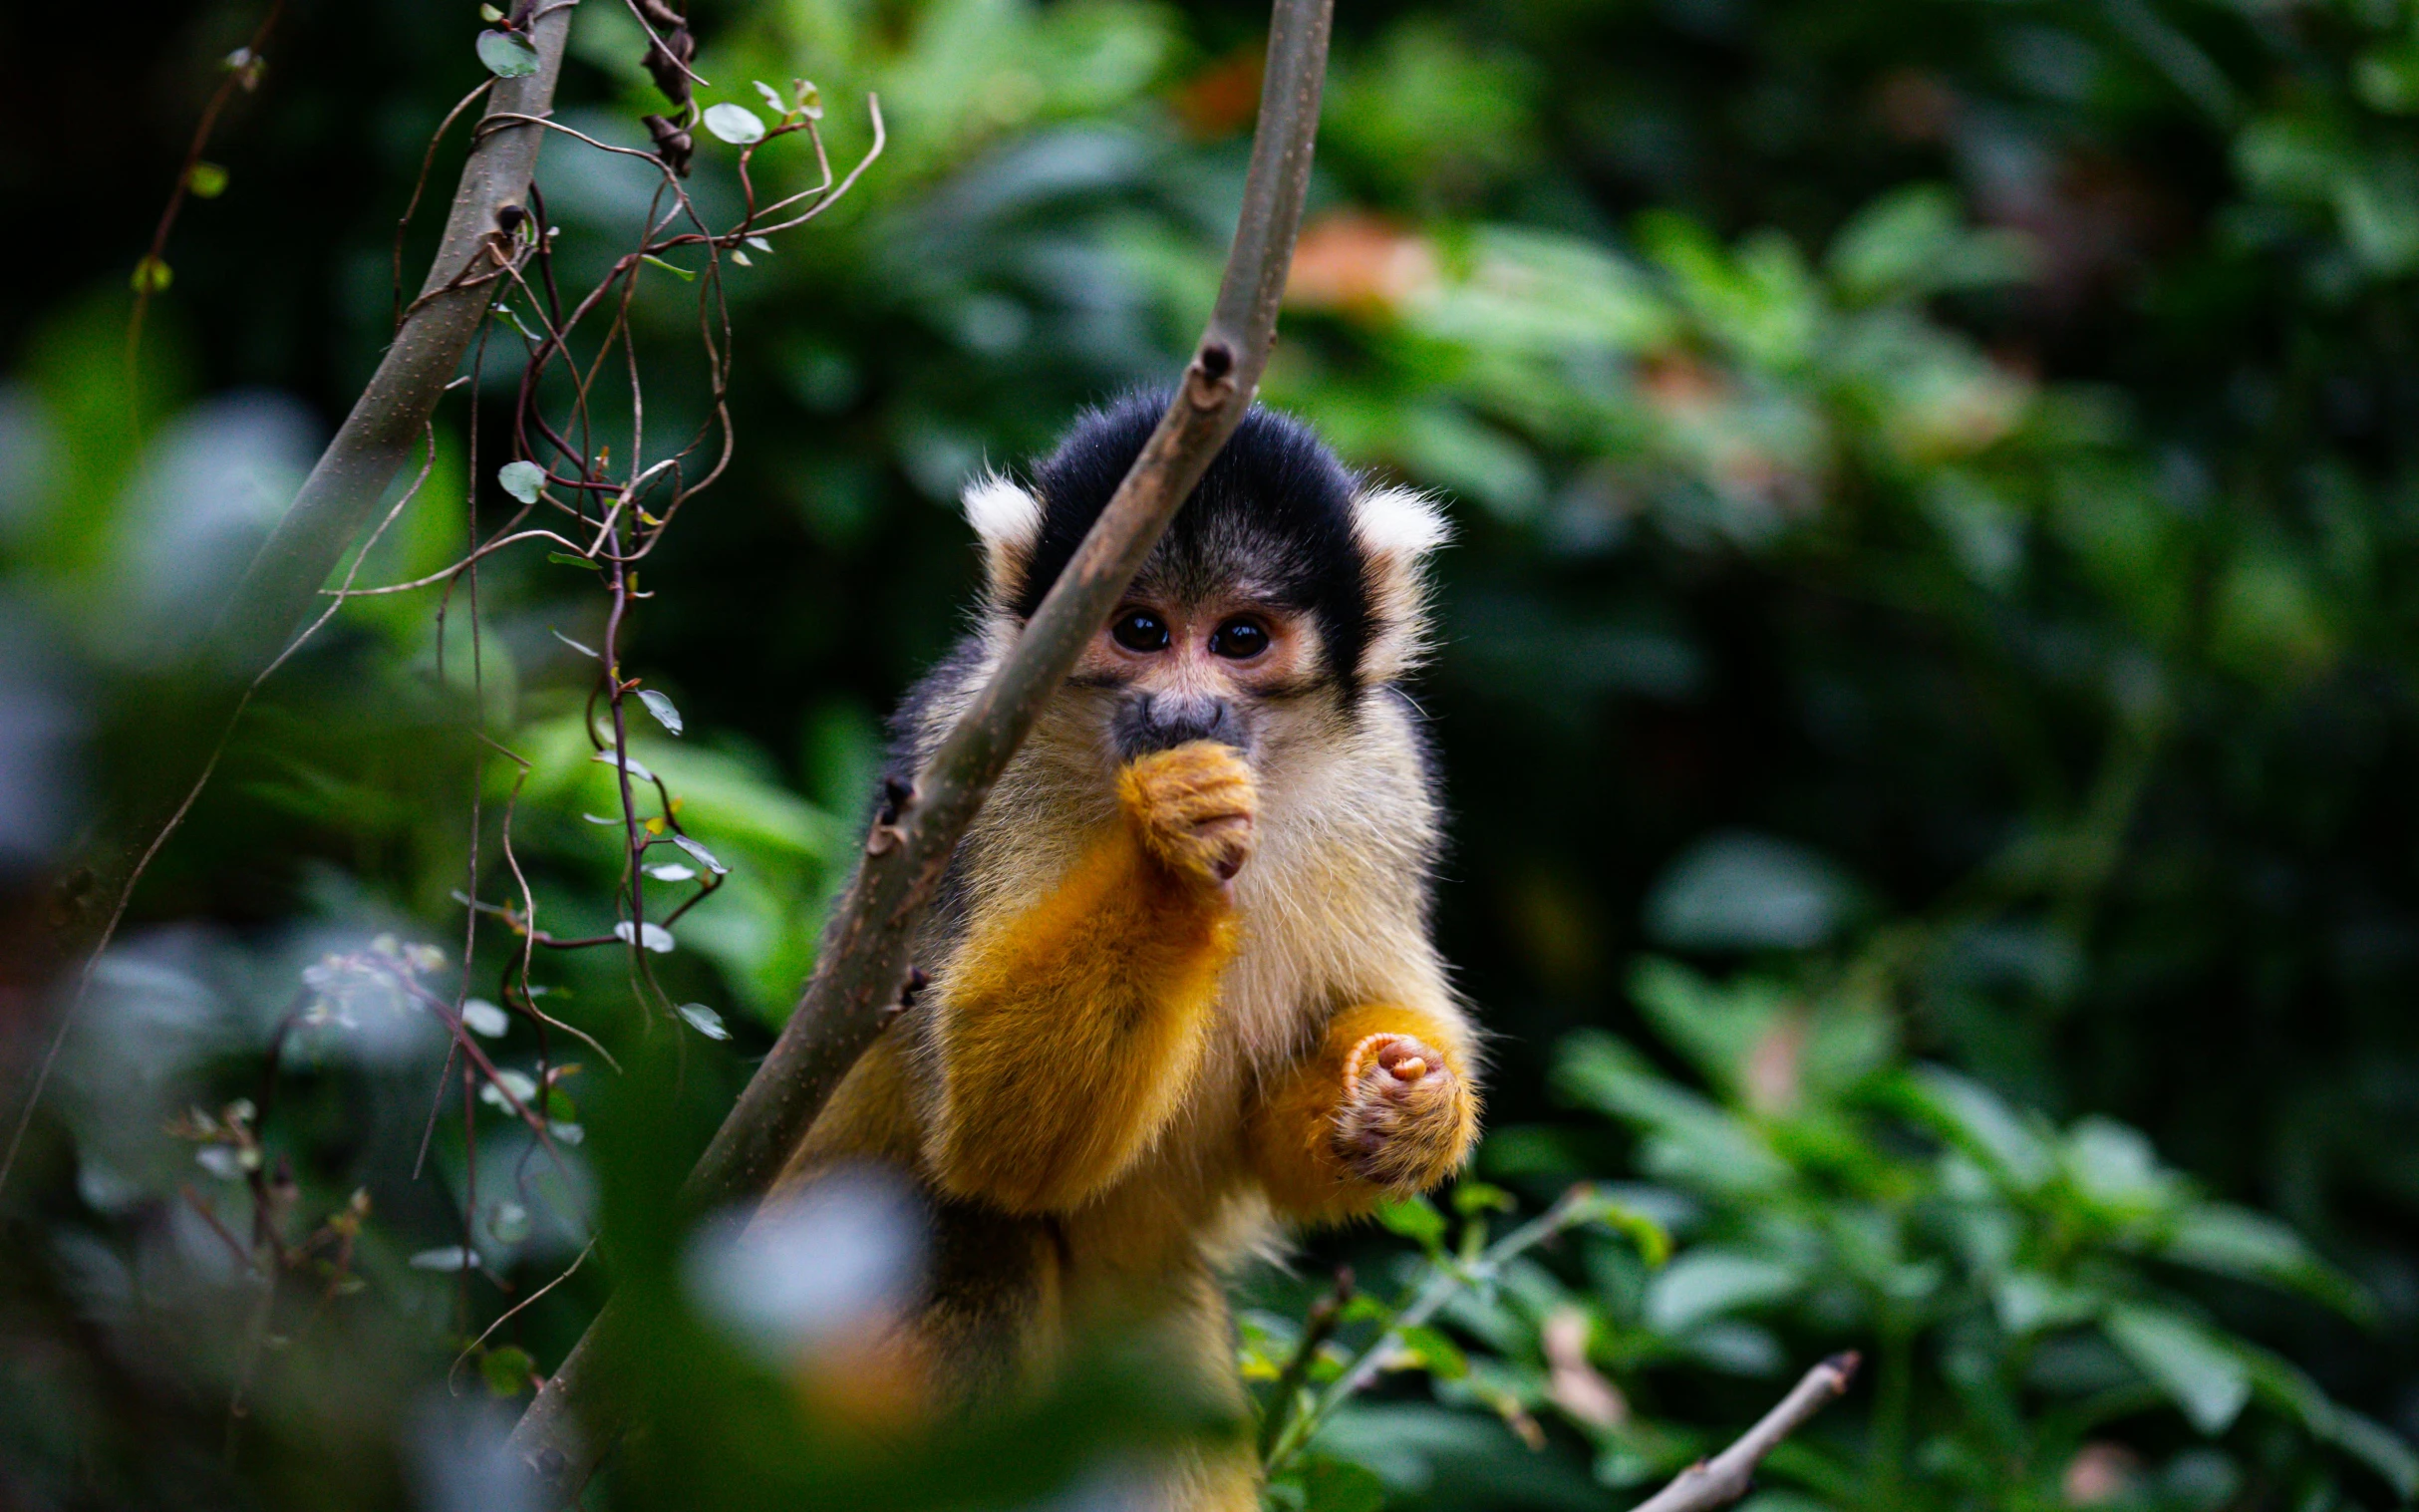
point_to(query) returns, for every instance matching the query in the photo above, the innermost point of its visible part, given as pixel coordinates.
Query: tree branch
(862, 967)
(1725, 1478)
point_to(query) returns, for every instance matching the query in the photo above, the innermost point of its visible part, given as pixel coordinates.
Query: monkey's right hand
(1195, 807)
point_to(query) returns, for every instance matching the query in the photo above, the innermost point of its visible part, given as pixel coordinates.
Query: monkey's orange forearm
(1067, 1031)
(1337, 1133)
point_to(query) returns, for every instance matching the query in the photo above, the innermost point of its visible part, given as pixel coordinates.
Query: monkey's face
(1211, 667)
(1283, 593)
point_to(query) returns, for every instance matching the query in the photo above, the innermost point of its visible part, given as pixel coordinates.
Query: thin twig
(428, 160)
(245, 75)
(1317, 1329)
(1727, 1476)
(512, 1312)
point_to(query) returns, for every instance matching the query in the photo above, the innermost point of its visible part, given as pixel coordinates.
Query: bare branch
(1723, 1479)
(862, 968)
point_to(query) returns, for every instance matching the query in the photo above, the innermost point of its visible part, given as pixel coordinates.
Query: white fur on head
(1008, 519)
(1397, 528)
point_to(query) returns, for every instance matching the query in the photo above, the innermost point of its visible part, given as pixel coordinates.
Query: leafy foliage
(1935, 505)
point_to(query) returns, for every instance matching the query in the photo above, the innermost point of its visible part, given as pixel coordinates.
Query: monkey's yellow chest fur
(1121, 1069)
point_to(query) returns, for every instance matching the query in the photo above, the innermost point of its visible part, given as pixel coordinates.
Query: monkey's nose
(1161, 721)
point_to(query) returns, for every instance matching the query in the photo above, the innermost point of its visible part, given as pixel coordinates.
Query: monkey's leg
(1067, 1030)
(1383, 1107)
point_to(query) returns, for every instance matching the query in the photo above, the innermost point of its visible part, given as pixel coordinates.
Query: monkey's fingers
(1196, 806)
(1220, 797)
(1213, 851)
(1402, 1120)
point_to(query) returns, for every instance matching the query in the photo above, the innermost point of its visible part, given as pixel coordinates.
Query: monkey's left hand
(1403, 1122)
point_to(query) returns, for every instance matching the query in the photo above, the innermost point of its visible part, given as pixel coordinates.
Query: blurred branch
(1727, 1476)
(863, 970)
(279, 593)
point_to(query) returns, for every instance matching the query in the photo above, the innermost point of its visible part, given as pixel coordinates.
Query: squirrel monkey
(1181, 985)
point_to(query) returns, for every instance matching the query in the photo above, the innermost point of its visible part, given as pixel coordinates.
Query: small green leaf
(1705, 1284)
(505, 1370)
(223, 1161)
(1363, 1307)
(2029, 1302)
(508, 55)
(2195, 1367)
(1652, 1240)
(522, 479)
(1435, 1354)
(153, 276)
(677, 271)
(760, 244)
(568, 560)
(489, 14)
(2232, 1240)
(654, 937)
(451, 1257)
(480, 1016)
(772, 98)
(1414, 1217)
(1337, 1485)
(1690, 1133)
(735, 123)
(810, 98)
(1973, 1117)
(704, 856)
(207, 180)
(1471, 1198)
(638, 769)
(660, 707)
(705, 1020)
(505, 313)
(576, 646)
(559, 1106)
(508, 1221)
(509, 1087)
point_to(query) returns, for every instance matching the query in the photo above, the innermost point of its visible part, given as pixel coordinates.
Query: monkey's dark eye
(1239, 640)
(1139, 630)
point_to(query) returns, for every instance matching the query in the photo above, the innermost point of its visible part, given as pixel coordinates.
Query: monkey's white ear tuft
(1400, 522)
(1397, 528)
(1008, 519)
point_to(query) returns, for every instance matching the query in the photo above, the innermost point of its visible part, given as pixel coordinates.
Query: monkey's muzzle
(1152, 721)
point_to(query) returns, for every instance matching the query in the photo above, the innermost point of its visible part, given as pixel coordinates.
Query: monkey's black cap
(1273, 514)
